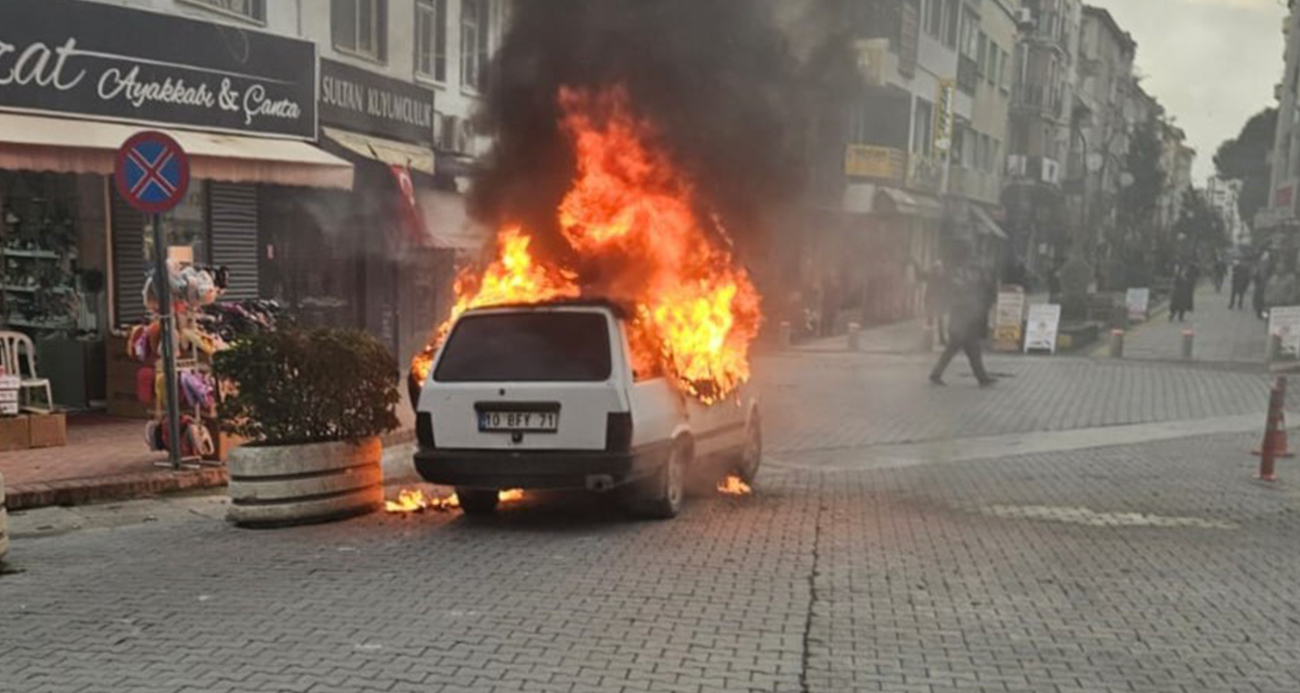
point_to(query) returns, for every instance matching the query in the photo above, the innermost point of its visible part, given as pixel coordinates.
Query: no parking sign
(152, 172)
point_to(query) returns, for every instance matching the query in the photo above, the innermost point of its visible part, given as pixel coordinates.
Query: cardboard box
(15, 434)
(48, 430)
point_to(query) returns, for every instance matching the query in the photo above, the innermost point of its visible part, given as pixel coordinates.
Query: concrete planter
(297, 484)
(4, 522)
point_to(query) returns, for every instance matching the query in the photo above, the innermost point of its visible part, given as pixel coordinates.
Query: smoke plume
(729, 86)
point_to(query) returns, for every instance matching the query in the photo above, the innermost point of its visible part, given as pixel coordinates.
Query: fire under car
(545, 397)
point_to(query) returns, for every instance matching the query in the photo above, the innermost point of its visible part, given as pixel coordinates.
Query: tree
(1199, 225)
(1138, 200)
(1246, 159)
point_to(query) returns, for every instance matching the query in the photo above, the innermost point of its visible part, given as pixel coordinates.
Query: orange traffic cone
(1269, 447)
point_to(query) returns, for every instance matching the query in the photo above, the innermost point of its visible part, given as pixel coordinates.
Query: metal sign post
(153, 174)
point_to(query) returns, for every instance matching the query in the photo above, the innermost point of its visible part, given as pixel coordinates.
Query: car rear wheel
(661, 496)
(476, 501)
(752, 454)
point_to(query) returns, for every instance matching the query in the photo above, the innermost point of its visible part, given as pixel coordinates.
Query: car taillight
(618, 432)
(424, 429)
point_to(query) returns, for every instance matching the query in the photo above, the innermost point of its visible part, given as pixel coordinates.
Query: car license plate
(511, 421)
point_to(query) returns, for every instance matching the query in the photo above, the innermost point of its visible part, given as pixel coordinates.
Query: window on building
(934, 17)
(431, 39)
(923, 127)
(951, 14)
(970, 24)
(1007, 71)
(360, 27)
(982, 54)
(995, 155)
(247, 9)
(474, 25)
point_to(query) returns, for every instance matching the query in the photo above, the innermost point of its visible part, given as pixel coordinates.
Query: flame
(513, 277)
(414, 500)
(734, 486)
(632, 220)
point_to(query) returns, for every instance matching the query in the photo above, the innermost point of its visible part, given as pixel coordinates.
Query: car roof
(618, 310)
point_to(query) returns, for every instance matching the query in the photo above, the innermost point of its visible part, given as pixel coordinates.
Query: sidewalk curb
(112, 488)
(134, 485)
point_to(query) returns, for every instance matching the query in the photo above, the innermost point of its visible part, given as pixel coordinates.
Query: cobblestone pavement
(1153, 567)
(828, 401)
(1221, 334)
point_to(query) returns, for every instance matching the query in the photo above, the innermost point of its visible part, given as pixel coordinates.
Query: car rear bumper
(539, 469)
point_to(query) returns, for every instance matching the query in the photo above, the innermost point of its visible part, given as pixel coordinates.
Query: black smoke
(732, 88)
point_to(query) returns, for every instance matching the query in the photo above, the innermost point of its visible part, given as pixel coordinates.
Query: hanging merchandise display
(202, 328)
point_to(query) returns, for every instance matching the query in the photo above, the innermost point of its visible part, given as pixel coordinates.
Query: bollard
(1267, 448)
(1274, 349)
(854, 331)
(1117, 344)
(1188, 337)
(785, 334)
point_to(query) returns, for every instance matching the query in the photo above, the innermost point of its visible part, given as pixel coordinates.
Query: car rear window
(540, 346)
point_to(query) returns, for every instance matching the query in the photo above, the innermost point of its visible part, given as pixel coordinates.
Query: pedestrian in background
(970, 295)
(1262, 272)
(1240, 283)
(1183, 300)
(1220, 271)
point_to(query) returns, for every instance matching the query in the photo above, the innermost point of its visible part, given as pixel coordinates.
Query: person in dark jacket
(970, 294)
(1240, 283)
(1182, 301)
(1262, 274)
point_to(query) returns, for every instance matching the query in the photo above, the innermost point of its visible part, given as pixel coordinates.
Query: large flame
(513, 277)
(633, 220)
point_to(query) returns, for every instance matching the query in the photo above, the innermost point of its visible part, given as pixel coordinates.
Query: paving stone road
(1151, 568)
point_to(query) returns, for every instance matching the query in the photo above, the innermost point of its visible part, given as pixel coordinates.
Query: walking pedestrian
(1261, 285)
(1220, 271)
(1182, 301)
(970, 294)
(1240, 283)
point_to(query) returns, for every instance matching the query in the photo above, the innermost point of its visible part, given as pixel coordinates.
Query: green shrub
(308, 386)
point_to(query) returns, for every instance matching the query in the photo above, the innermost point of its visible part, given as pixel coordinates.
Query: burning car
(550, 396)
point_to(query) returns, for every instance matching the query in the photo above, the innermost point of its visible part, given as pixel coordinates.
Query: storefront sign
(1010, 312)
(100, 60)
(1137, 302)
(362, 101)
(880, 163)
(1284, 323)
(943, 115)
(1041, 328)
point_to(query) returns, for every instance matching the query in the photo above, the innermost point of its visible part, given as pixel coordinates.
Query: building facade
(1102, 125)
(1042, 110)
(310, 128)
(1222, 195)
(1279, 219)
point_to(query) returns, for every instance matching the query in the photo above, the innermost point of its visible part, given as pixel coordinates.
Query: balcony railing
(924, 173)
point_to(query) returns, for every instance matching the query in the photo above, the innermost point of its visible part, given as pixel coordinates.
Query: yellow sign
(866, 161)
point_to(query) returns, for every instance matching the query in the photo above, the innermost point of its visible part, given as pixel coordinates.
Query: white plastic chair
(11, 346)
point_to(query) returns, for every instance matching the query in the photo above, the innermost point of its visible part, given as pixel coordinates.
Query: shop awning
(62, 145)
(870, 198)
(986, 223)
(383, 150)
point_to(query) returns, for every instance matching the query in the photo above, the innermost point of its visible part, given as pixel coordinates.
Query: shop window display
(38, 246)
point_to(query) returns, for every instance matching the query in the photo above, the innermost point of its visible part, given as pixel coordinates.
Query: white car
(545, 397)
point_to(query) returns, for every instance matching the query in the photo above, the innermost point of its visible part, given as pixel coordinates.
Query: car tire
(661, 496)
(477, 501)
(751, 455)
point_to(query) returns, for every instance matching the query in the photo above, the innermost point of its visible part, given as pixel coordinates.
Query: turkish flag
(412, 218)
